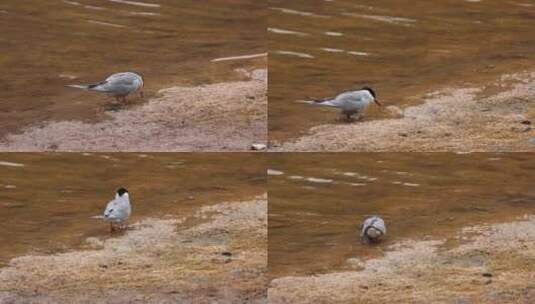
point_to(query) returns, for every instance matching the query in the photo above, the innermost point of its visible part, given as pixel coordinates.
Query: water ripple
(296, 12)
(334, 34)
(106, 23)
(285, 32)
(387, 19)
(274, 172)
(10, 164)
(297, 54)
(155, 5)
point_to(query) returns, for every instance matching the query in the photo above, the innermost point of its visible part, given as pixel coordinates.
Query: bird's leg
(141, 94)
(111, 227)
(117, 98)
(124, 99)
(348, 117)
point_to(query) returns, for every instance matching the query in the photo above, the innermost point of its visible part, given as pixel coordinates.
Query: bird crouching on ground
(373, 230)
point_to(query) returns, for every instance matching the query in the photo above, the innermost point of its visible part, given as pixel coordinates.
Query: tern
(350, 102)
(118, 85)
(118, 210)
(373, 229)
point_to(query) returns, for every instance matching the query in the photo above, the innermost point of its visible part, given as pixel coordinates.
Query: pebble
(532, 140)
(258, 147)
(395, 111)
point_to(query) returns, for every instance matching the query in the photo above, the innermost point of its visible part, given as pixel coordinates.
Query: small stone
(258, 147)
(226, 253)
(525, 122)
(395, 111)
(403, 134)
(532, 140)
(364, 287)
(487, 274)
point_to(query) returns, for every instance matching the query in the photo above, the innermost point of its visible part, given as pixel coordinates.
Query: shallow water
(400, 48)
(47, 201)
(46, 45)
(316, 203)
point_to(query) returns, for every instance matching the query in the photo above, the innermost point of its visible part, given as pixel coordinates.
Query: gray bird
(350, 102)
(373, 229)
(118, 210)
(118, 85)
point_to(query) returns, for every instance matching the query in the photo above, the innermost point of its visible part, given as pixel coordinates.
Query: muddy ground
(498, 117)
(218, 117)
(483, 264)
(221, 255)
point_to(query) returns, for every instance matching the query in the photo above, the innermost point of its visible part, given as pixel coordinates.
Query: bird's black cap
(369, 90)
(121, 191)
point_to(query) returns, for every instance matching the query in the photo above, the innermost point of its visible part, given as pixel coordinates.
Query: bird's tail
(316, 102)
(87, 86)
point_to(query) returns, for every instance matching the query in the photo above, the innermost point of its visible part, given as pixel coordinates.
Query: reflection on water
(47, 201)
(400, 48)
(48, 44)
(316, 203)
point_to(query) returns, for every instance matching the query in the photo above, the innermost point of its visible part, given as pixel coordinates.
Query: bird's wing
(343, 99)
(121, 83)
(380, 225)
(122, 79)
(349, 97)
(110, 208)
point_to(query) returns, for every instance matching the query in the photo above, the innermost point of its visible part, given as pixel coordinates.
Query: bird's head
(372, 93)
(122, 192)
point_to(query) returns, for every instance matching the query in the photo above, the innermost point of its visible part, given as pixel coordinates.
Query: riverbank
(483, 264)
(228, 116)
(497, 117)
(220, 253)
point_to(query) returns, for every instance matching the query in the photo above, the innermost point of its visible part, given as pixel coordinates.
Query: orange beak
(377, 102)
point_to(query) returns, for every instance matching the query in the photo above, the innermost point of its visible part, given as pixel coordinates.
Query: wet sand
(488, 264)
(497, 117)
(216, 117)
(217, 254)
